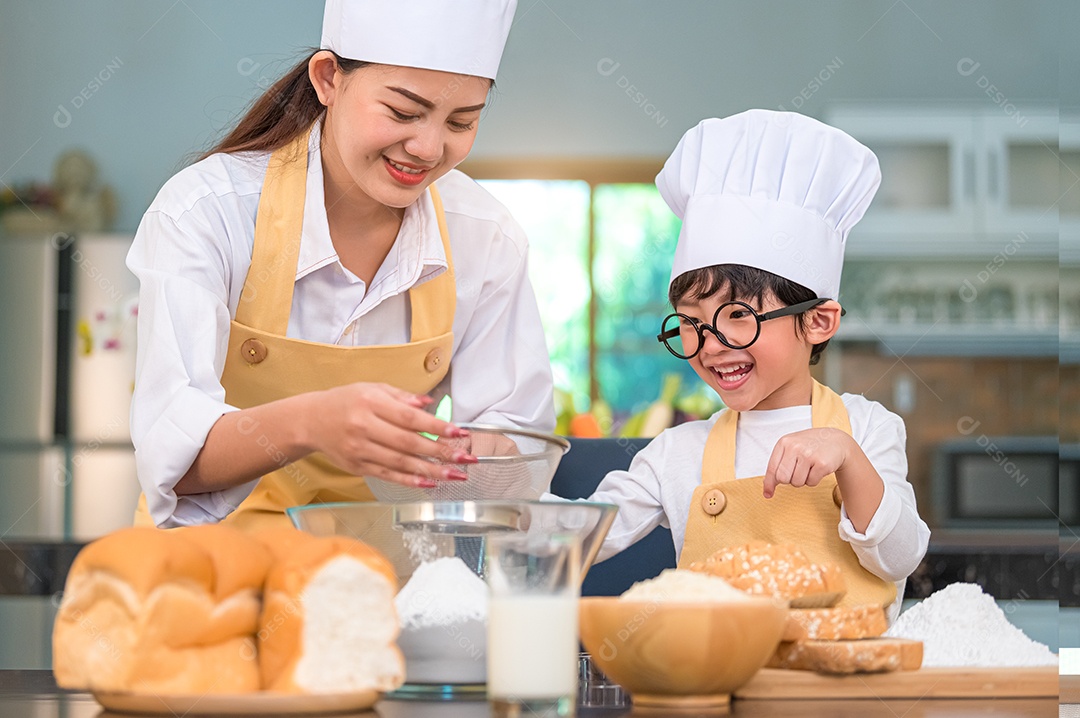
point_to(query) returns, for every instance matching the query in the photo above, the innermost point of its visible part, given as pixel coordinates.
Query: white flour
(421, 545)
(680, 585)
(962, 626)
(443, 611)
(442, 592)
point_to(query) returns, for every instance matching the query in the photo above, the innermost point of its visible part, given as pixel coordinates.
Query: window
(601, 243)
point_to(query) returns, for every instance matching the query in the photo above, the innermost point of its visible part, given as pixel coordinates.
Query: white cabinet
(1069, 214)
(1069, 186)
(958, 254)
(957, 181)
(26, 644)
(33, 483)
(1019, 177)
(927, 172)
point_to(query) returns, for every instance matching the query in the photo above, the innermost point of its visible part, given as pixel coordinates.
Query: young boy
(767, 200)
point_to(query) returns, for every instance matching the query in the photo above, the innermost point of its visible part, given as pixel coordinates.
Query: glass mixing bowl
(446, 655)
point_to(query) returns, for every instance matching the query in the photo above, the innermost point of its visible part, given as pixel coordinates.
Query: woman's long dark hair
(285, 110)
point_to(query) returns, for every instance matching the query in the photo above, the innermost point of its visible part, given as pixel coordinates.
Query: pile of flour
(443, 613)
(684, 586)
(962, 626)
(441, 593)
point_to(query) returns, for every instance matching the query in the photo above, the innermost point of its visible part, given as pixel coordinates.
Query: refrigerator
(68, 308)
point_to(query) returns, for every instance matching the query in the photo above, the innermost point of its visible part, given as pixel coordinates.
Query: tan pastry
(833, 624)
(870, 655)
(779, 570)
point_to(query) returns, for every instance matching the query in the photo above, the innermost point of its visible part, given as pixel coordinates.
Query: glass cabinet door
(1019, 180)
(1069, 189)
(1069, 214)
(927, 196)
(958, 181)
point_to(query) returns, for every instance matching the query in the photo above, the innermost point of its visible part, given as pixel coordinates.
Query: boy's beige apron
(264, 365)
(726, 512)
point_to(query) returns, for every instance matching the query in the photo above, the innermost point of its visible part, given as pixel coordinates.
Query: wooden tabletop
(32, 694)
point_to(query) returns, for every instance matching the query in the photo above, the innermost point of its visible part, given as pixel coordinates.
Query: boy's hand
(806, 457)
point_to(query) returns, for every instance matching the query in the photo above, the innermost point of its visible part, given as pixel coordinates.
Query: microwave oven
(1069, 485)
(1020, 482)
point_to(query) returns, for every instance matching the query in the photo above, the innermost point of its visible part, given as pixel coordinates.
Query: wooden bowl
(680, 654)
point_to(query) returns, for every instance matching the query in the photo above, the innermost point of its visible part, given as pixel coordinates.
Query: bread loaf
(779, 570)
(833, 624)
(282, 541)
(152, 611)
(329, 623)
(871, 655)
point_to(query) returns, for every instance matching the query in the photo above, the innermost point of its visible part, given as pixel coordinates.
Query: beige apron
(726, 512)
(264, 365)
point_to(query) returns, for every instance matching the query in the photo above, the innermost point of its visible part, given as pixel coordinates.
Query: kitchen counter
(1024, 571)
(33, 694)
(1013, 565)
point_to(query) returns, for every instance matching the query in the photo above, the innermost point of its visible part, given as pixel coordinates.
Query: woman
(307, 290)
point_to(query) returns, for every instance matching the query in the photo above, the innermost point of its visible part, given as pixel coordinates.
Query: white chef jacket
(192, 252)
(657, 488)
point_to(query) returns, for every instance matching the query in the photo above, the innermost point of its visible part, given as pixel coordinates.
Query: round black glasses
(735, 324)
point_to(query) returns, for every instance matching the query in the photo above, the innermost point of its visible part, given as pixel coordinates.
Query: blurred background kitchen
(962, 284)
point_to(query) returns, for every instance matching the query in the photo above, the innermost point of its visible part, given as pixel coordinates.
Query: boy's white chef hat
(460, 36)
(774, 190)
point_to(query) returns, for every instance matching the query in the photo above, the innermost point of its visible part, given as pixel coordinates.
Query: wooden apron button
(433, 360)
(713, 502)
(836, 497)
(253, 351)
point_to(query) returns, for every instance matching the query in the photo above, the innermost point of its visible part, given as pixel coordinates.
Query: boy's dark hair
(744, 283)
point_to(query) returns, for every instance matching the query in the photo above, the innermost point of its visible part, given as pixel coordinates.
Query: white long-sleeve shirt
(657, 488)
(192, 252)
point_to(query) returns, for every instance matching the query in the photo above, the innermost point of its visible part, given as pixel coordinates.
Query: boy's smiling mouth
(732, 376)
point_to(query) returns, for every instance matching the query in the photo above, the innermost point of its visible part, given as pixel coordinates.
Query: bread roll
(871, 655)
(779, 570)
(240, 567)
(282, 541)
(329, 623)
(833, 624)
(152, 611)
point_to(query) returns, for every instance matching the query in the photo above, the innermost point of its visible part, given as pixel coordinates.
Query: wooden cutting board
(1070, 689)
(778, 684)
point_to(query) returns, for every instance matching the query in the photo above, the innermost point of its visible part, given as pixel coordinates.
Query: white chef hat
(774, 190)
(460, 36)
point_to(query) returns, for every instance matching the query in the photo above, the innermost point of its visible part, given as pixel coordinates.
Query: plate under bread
(261, 703)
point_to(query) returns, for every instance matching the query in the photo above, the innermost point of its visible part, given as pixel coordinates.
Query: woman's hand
(374, 430)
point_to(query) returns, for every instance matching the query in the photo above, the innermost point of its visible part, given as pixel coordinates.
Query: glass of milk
(534, 582)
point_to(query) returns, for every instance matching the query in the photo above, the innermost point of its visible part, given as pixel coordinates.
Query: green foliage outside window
(634, 236)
